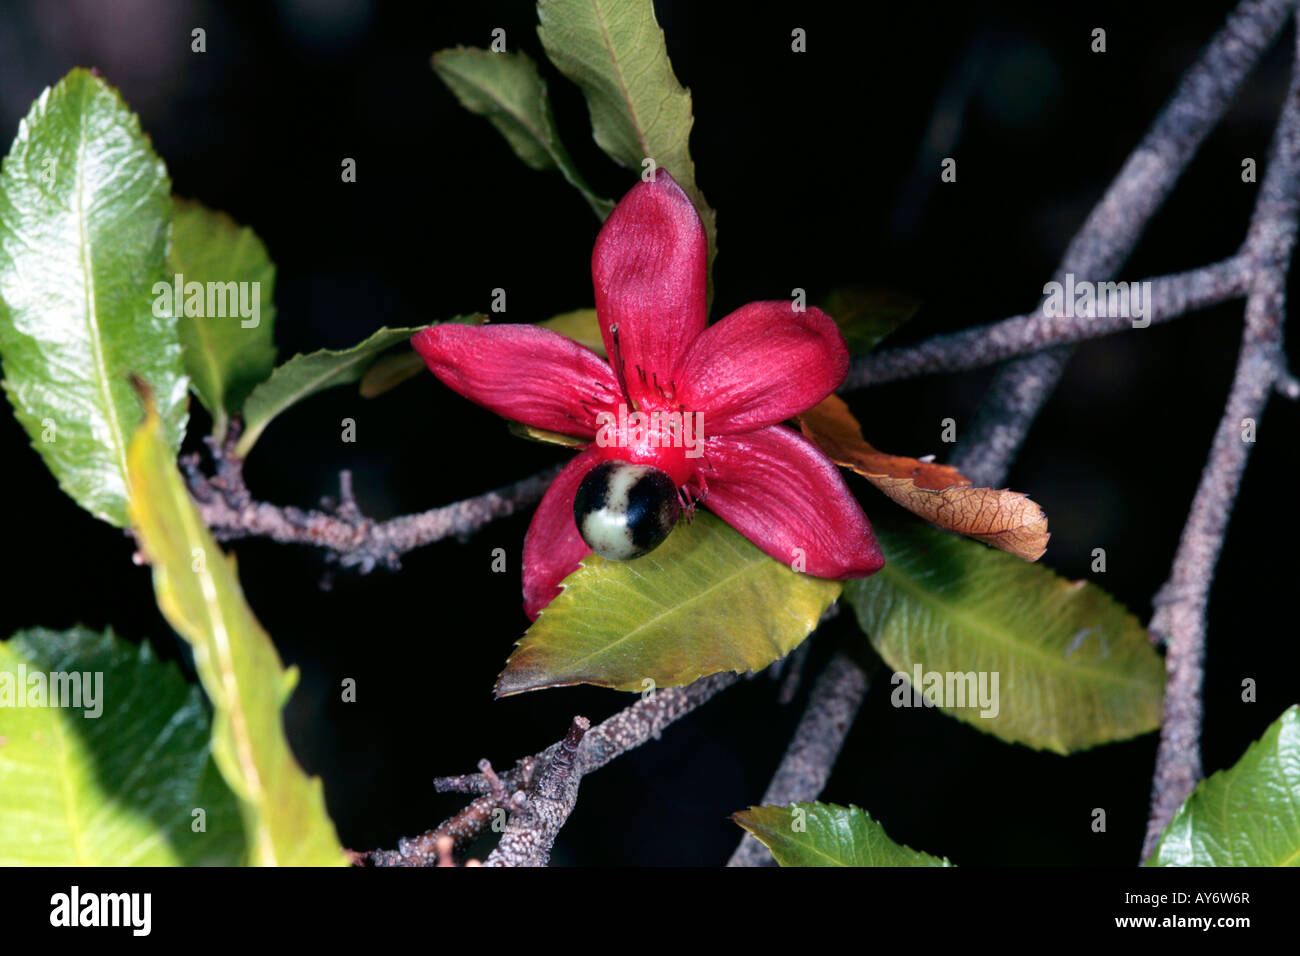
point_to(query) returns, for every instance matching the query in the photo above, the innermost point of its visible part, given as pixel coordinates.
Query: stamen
(617, 363)
(687, 502)
(690, 496)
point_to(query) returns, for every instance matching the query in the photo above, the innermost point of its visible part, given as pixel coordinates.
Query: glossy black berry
(624, 511)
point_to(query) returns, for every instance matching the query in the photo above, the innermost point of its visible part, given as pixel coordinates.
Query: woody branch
(1113, 227)
(1180, 617)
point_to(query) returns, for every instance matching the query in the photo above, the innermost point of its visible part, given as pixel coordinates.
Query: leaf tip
(742, 817)
(513, 680)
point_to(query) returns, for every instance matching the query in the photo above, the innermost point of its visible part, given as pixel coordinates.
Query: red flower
(744, 375)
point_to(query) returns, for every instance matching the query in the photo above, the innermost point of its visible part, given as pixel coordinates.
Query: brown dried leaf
(938, 493)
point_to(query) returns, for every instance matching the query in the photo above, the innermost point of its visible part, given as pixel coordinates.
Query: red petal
(780, 492)
(524, 372)
(553, 547)
(648, 269)
(760, 365)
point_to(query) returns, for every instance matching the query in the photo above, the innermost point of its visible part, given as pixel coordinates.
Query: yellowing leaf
(704, 601)
(938, 493)
(198, 592)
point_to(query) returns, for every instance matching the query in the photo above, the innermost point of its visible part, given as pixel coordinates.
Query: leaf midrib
(622, 83)
(92, 310)
(809, 847)
(818, 851)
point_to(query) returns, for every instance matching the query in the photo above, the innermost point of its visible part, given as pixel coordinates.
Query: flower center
(656, 431)
(667, 439)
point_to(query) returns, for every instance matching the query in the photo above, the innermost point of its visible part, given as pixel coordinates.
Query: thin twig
(1170, 297)
(806, 766)
(224, 501)
(990, 443)
(1180, 616)
(497, 793)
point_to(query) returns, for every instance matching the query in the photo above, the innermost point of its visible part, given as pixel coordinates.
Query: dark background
(821, 172)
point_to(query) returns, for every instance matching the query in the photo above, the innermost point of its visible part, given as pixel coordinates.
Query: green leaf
(198, 592)
(824, 834)
(581, 325)
(1247, 815)
(507, 89)
(84, 209)
(305, 375)
(865, 316)
(1074, 669)
(224, 357)
(615, 51)
(704, 601)
(114, 775)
